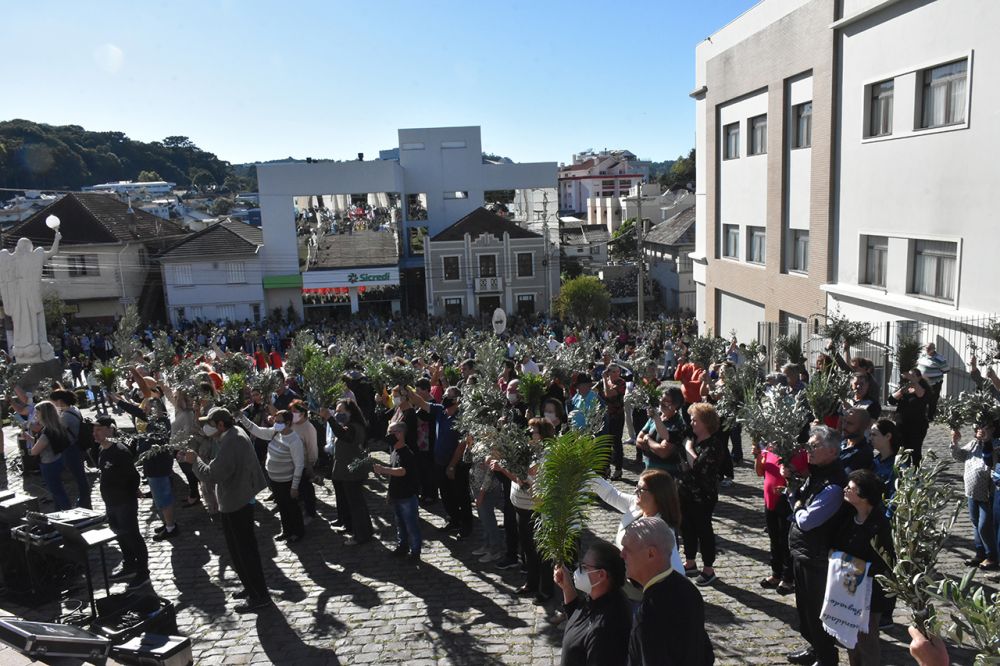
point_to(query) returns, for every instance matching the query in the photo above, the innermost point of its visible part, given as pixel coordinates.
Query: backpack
(85, 435)
(57, 443)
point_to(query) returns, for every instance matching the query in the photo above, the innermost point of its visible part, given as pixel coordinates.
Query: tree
(220, 206)
(622, 245)
(681, 174)
(178, 142)
(201, 178)
(571, 268)
(148, 177)
(583, 299)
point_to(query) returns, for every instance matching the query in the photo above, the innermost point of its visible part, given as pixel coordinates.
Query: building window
(82, 265)
(731, 241)
(236, 272)
(487, 265)
(453, 307)
(451, 269)
(525, 264)
(143, 257)
(415, 145)
(179, 314)
(48, 272)
(756, 244)
(934, 266)
(758, 135)
(876, 253)
(453, 144)
(525, 304)
(226, 312)
(731, 135)
(800, 251)
(802, 125)
(595, 249)
(880, 123)
(944, 95)
(416, 241)
(416, 207)
(456, 195)
(194, 312)
(255, 311)
(182, 275)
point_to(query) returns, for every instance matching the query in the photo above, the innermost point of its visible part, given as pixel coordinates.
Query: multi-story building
(843, 165)
(439, 177)
(595, 183)
(666, 248)
(134, 189)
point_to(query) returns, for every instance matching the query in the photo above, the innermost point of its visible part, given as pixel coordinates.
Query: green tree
(148, 177)
(622, 245)
(178, 142)
(682, 172)
(201, 178)
(571, 268)
(220, 206)
(583, 299)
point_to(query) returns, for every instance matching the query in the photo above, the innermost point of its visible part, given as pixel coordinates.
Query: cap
(216, 414)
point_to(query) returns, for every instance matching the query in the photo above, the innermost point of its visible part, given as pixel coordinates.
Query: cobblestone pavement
(344, 605)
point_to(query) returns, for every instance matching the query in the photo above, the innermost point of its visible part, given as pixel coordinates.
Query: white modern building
(154, 188)
(215, 275)
(439, 178)
(597, 181)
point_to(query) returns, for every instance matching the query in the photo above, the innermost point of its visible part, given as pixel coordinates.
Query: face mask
(279, 426)
(297, 417)
(552, 418)
(209, 430)
(342, 418)
(512, 397)
(581, 581)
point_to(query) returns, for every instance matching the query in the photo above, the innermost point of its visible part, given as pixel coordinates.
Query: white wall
(742, 189)
(118, 265)
(799, 173)
(937, 184)
(210, 288)
(740, 314)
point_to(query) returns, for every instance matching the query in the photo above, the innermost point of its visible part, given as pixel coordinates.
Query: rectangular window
(226, 312)
(625, 185)
(800, 251)
(487, 265)
(179, 313)
(453, 144)
(944, 95)
(82, 265)
(416, 145)
(194, 313)
(934, 269)
(525, 264)
(758, 135)
(453, 307)
(48, 272)
(416, 207)
(595, 249)
(456, 195)
(756, 244)
(451, 270)
(876, 254)
(880, 123)
(525, 304)
(255, 310)
(731, 136)
(235, 272)
(182, 275)
(417, 236)
(802, 125)
(731, 241)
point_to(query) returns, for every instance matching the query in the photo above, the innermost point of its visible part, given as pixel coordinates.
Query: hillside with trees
(38, 156)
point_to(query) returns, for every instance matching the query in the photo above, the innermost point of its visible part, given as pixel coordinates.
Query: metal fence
(950, 336)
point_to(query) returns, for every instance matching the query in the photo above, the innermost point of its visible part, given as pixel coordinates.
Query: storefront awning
(283, 281)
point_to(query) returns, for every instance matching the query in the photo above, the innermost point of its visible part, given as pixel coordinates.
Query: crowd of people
(635, 600)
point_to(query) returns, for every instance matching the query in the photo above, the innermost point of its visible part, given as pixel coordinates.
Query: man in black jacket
(120, 491)
(669, 628)
(814, 510)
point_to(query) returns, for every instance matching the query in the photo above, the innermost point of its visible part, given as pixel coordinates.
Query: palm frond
(826, 391)
(789, 348)
(570, 463)
(531, 386)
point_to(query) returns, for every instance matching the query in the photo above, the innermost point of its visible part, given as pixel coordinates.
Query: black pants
(352, 511)
(736, 440)
(810, 588)
(455, 495)
(726, 469)
(932, 401)
(913, 438)
(307, 493)
(511, 538)
(615, 426)
(777, 532)
(124, 522)
(428, 482)
(194, 488)
(237, 527)
(288, 508)
(697, 530)
(539, 578)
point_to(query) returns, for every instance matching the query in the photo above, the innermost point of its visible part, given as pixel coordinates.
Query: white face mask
(552, 418)
(209, 430)
(297, 417)
(279, 426)
(581, 581)
(512, 397)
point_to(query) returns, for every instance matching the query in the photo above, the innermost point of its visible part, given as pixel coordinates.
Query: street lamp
(52, 222)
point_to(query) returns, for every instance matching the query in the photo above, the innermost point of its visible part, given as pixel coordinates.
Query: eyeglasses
(588, 567)
(639, 490)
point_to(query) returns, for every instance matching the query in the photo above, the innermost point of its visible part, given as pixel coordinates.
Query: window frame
(83, 265)
(479, 264)
(876, 104)
(926, 85)
(183, 276)
(800, 112)
(794, 266)
(458, 268)
(726, 229)
(728, 146)
(915, 254)
(531, 264)
(525, 298)
(870, 243)
(225, 308)
(456, 195)
(757, 145)
(752, 232)
(236, 272)
(454, 300)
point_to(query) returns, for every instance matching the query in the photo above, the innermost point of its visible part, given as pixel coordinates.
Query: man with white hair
(669, 628)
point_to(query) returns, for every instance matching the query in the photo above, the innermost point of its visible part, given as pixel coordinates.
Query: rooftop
(482, 221)
(355, 250)
(678, 230)
(220, 239)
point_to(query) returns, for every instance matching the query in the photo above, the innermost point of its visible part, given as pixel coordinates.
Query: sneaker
(159, 529)
(974, 561)
(138, 583)
(121, 573)
(507, 562)
(617, 474)
(770, 583)
(482, 550)
(704, 579)
(253, 605)
(239, 594)
(726, 483)
(167, 534)
(490, 557)
(785, 589)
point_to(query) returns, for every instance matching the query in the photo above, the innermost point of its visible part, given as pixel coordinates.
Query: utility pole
(638, 238)
(545, 251)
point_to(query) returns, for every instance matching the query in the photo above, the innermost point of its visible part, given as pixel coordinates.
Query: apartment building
(595, 183)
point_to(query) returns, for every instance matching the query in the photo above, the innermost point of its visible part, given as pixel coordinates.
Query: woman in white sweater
(656, 495)
(305, 429)
(285, 463)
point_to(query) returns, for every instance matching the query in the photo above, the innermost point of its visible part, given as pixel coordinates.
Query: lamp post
(640, 227)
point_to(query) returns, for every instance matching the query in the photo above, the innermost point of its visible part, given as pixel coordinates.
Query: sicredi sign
(355, 277)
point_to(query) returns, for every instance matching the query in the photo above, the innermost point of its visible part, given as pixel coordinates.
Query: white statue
(21, 291)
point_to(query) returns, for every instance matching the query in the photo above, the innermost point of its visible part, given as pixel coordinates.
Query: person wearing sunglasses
(599, 618)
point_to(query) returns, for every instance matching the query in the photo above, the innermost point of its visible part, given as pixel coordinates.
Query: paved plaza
(337, 604)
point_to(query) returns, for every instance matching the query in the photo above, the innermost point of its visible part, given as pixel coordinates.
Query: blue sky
(256, 80)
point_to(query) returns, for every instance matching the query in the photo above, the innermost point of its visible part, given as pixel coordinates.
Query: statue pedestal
(36, 373)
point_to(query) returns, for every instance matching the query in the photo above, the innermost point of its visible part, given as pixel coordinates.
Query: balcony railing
(485, 285)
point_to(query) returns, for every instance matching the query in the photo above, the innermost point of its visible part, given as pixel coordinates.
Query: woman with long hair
(350, 431)
(911, 400)
(52, 438)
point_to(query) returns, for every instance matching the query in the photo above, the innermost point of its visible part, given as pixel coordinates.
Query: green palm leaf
(570, 462)
(531, 386)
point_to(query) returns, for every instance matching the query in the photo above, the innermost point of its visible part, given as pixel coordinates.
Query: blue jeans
(407, 523)
(981, 515)
(73, 460)
(996, 513)
(52, 475)
(492, 500)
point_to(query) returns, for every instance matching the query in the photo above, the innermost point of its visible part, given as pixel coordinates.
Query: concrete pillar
(352, 292)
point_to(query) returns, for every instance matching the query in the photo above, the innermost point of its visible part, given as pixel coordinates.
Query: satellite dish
(499, 321)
